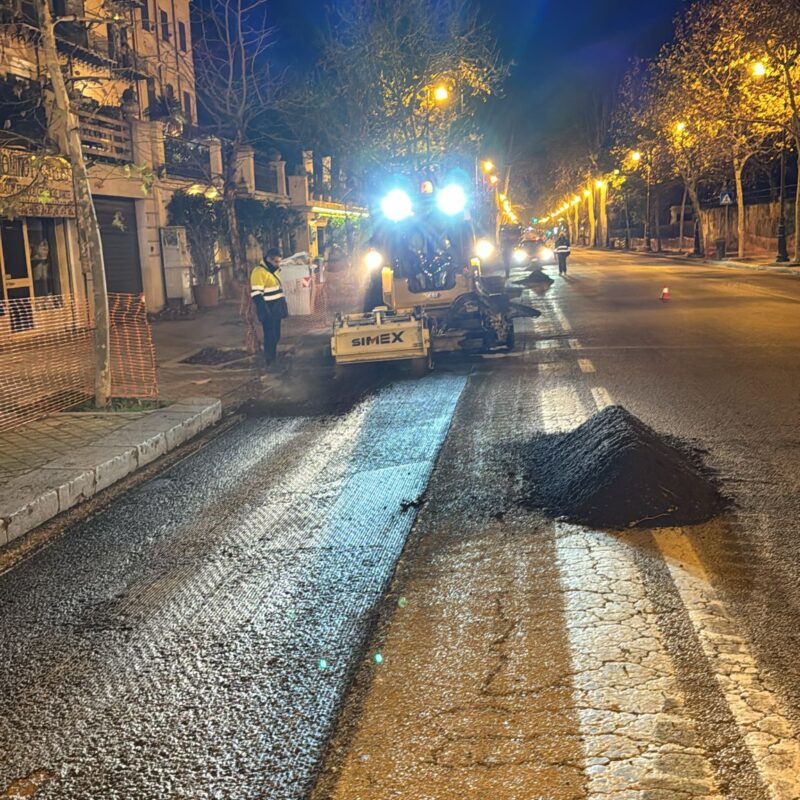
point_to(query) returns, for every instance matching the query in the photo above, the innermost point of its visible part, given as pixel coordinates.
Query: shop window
(187, 106)
(164, 18)
(182, 36)
(44, 263)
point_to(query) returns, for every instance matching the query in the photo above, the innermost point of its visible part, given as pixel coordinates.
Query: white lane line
(636, 731)
(601, 397)
(765, 727)
(575, 344)
(586, 365)
(563, 321)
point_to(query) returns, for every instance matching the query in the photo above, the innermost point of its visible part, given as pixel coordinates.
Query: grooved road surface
(194, 639)
(534, 659)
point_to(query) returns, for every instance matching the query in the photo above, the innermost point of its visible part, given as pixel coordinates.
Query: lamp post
(783, 253)
(438, 94)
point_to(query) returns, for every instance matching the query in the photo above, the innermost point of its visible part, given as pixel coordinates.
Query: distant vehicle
(538, 251)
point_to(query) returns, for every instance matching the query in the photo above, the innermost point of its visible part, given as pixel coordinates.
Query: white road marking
(575, 344)
(765, 727)
(586, 365)
(563, 321)
(601, 397)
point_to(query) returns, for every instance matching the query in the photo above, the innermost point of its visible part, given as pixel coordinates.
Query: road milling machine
(425, 290)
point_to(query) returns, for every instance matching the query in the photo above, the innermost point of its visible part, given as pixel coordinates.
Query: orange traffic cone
(665, 294)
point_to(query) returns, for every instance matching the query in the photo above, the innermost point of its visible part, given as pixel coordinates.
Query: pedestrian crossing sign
(726, 198)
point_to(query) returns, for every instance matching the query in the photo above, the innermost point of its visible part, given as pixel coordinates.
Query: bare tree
(237, 90)
(65, 123)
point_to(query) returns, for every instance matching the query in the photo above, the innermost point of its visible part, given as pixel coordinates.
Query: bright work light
(484, 248)
(519, 256)
(451, 200)
(373, 260)
(396, 206)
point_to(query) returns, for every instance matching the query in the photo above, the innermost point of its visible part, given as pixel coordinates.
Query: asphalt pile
(537, 276)
(616, 472)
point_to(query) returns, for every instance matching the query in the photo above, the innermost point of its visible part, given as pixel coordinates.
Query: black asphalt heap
(616, 472)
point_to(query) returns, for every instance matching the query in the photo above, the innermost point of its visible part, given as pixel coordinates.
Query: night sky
(562, 51)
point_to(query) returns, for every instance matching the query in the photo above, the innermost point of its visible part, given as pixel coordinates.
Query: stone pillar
(245, 172)
(280, 174)
(298, 191)
(215, 159)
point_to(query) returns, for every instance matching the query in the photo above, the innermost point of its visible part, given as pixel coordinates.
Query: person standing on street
(562, 252)
(270, 303)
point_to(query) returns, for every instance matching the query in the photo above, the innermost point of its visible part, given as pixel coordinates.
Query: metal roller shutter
(117, 218)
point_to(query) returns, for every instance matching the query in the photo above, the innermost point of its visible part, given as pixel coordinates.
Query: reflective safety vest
(265, 283)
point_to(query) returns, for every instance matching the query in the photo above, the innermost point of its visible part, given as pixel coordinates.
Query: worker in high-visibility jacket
(562, 252)
(270, 303)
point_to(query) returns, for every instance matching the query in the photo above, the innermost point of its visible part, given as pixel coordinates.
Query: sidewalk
(755, 263)
(51, 465)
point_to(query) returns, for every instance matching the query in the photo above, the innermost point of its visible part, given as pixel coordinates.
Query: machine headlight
(396, 206)
(519, 256)
(546, 253)
(484, 249)
(451, 200)
(373, 260)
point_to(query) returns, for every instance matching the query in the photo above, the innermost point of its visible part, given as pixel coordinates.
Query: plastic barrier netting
(47, 354)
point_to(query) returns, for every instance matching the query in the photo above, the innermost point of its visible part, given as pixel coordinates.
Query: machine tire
(510, 339)
(421, 366)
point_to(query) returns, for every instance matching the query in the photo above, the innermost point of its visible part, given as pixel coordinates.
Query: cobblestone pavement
(529, 658)
(31, 446)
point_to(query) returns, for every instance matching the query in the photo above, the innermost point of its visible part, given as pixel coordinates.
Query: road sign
(726, 198)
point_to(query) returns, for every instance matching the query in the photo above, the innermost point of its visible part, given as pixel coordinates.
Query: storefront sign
(35, 186)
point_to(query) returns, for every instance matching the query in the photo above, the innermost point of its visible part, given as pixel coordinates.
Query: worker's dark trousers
(562, 263)
(271, 323)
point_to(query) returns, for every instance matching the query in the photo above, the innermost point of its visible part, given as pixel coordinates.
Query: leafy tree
(206, 223)
(401, 82)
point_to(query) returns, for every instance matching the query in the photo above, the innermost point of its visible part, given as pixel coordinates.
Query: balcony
(266, 175)
(105, 138)
(187, 159)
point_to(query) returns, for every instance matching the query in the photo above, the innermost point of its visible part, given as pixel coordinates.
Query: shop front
(36, 204)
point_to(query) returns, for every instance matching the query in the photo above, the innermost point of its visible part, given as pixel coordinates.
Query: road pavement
(530, 658)
(195, 638)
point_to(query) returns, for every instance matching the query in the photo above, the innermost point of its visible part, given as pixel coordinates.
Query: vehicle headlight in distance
(519, 256)
(373, 260)
(546, 252)
(484, 249)
(396, 206)
(451, 200)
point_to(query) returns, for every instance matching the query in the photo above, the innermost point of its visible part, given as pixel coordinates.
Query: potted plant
(204, 221)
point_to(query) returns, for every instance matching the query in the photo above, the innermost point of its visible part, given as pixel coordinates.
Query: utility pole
(88, 228)
(648, 243)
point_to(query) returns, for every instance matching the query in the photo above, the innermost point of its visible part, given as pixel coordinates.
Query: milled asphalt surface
(195, 638)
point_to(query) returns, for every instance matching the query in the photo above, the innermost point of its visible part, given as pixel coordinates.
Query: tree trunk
(603, 227)
(592, 222)
(698, 214)
(738, 168)
(577, 224)
(657, 218)
(796, 249)
(683, 219)
(86, 218)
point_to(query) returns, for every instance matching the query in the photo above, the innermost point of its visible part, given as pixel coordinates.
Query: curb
(706, 262)
(32, 499)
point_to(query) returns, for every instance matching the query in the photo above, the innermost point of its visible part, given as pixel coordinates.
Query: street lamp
(759, 70)
(488, 166)
(441, 94)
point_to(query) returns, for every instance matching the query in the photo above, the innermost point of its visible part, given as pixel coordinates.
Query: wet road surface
(529, 658)
(194, 639)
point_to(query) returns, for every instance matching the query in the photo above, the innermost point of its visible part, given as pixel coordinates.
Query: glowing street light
(493, 179)
(586, 193)
(600, 183)
(441, 94)
(636, 156)
(759, 69)
(488, 166)
(680, 127)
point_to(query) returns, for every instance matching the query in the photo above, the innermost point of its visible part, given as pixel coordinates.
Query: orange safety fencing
(133, 357)
(47, 359)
